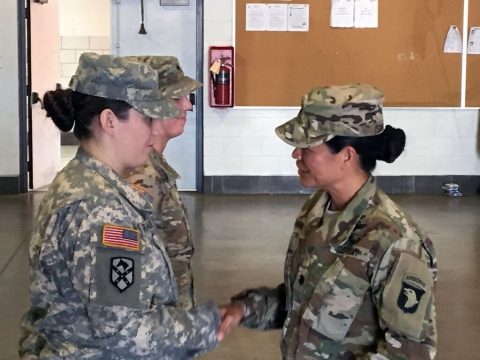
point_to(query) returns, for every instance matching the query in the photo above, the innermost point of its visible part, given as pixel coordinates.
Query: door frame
(24, 92)
(199, 102)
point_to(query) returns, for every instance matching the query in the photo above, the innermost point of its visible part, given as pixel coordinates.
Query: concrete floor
(241, 241)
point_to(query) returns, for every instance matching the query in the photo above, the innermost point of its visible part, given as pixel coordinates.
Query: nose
(155, 127)
(184, 104)
(296, 154)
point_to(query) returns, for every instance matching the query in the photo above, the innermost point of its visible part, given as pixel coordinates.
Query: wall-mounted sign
(174, 2)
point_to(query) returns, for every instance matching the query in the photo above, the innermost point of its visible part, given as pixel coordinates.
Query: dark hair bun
(58, 104)
(393, 141)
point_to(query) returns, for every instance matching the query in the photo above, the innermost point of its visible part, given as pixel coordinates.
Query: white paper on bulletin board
(341, 13)
(277, 17)
(298, 15)
(256, 17)
(366, 14)
(473, 45)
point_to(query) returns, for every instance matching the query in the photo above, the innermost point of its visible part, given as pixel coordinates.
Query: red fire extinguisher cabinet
(222, 80)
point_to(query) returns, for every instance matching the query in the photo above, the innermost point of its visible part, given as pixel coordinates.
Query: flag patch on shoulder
(120, 237)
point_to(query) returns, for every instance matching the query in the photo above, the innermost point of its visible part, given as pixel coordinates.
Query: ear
(349, 156)
(108, 121)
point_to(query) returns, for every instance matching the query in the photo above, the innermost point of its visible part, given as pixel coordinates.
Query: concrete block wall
(71, 47)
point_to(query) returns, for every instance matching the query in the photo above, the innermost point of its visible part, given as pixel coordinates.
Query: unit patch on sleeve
(407, 296)
(410, 294)
(120, 237)
(121, 272)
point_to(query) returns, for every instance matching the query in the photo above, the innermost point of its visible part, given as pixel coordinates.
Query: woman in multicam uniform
(359, 273)
(102, 283)
(158, 178)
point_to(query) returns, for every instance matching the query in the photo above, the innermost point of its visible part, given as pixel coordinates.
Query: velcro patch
(410, 294)
(120, 237)
(122, 270)
(407, 296)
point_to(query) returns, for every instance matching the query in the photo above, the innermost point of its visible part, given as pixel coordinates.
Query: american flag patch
(120, 237)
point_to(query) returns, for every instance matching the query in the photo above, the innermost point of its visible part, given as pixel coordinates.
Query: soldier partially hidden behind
(102, 285)
(359, 274)
(158, 178)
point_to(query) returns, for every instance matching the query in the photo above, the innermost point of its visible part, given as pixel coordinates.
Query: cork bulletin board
(403, 56)
(472, 97)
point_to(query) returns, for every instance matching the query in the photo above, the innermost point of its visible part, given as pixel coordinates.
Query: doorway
(177, 31)
(70, 27)
(57, 32)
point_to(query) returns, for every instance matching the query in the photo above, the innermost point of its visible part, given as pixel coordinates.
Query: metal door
(171, 30)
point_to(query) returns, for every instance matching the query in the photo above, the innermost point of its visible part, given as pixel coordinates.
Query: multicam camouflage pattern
(342, 110)
(148, 83)
(159, 179)
(346, 287)
(77, 312)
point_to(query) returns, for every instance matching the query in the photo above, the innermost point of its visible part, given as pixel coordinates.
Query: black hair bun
(58, 104)
(393, 141)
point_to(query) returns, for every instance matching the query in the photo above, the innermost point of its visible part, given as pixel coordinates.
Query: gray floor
(241, 241)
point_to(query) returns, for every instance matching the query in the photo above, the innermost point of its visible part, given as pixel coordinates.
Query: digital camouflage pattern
(79, 310)
(147, 83)
(158, 178)
(342, 110)
(360, 287)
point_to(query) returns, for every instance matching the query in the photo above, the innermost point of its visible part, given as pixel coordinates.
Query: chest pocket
(335, 301)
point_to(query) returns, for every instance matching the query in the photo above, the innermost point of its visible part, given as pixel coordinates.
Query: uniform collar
(161, 165)
(351, 215)
(142, 201)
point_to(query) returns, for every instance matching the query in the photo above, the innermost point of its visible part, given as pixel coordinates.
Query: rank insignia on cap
(121, 272)
(411, 293)
(120, 237)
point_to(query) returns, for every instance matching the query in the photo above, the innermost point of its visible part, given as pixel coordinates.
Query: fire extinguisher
(221, 85)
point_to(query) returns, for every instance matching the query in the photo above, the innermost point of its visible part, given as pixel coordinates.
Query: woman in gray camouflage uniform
(102, 284)
(359, 273)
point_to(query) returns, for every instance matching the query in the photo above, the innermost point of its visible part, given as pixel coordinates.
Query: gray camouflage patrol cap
(341, 110)
(147, 83)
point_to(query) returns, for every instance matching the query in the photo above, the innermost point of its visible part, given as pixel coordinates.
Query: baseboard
(290, 184)
(9, 185)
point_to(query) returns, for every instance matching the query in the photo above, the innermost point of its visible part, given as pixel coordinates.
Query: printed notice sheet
(366, 14)
(277, 17)
(298, 15)
(341, 14)
(473, 45)
(256, 17)
(453, 42)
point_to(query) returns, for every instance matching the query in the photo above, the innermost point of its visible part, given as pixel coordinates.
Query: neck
(344, 191)
(96, 150)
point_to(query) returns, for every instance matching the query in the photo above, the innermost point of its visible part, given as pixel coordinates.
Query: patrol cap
(340, 110)
(147, 83)
(172, 81)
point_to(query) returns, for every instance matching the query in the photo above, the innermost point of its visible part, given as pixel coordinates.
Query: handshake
(231, 315)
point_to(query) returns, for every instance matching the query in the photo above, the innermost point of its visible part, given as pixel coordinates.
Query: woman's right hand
(231, 315)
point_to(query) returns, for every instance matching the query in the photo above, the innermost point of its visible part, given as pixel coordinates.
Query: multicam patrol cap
(147, 83)
(341, 110)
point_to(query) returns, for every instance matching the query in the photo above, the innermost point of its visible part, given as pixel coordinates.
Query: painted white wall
(84, 17)
(241, 141)
(9, 123)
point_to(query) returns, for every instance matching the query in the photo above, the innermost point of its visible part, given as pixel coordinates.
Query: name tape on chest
(120, 237)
